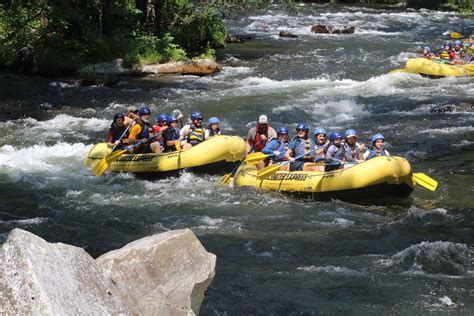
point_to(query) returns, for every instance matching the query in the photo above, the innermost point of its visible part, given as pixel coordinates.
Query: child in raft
(212, 128)
(377, 149)
(427, 53)
(335, 153)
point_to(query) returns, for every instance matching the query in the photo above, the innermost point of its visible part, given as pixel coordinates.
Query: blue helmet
(466, 44)
(302, 126)
(428, 49)
(350, 132)
(377, 136)
(162, 117)
(320, 130)
(441, 47)
(144, 111)
(213, 120)
(119, 115)
(196, 115)
(457, 42)
(171, 118)
(282, 130)
(335, 135)
(448, 44)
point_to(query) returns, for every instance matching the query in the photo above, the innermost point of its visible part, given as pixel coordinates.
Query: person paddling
(336, 151)
(171, 135)
(142, 131)
(132, 115)
(377, 149)
(258, 136)
(212, 127)
(276, 147)
(298, 146)
(118, 133)
(193, 134)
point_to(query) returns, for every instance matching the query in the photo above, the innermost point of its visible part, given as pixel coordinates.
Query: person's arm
(110, 137)
(184, 131)
(270, 148)
(249, 141)
(272, 134)
(206, 134)
(289, 152)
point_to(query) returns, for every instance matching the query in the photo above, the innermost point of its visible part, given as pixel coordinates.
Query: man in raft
(117, 135)
(276, 147)
(193, 134)
(132, 115)
(298, 146)
(258, 136)
(143, 130)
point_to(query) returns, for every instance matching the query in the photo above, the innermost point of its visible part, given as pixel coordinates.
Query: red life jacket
(259, 144)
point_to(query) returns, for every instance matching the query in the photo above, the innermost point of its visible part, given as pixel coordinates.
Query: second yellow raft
(375, 178)
(431, 68)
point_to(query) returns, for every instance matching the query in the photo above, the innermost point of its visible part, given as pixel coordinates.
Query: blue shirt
(275, 145)
(298, 146)
(335, 153)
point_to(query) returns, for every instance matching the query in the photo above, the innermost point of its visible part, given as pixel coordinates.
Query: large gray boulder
(199, 67)
(40, 278)
(165, 274)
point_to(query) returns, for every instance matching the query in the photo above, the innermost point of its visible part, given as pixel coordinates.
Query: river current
(275, 254)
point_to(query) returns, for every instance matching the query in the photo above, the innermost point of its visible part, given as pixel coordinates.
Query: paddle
(456, 35)
(420, 178)
(272, 169)
(225, 179)
(104, 163)
(397, 70)
(257, 157)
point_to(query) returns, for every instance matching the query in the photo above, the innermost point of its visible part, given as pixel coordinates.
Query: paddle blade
(268, 171)
(178, 145)
(397, 70)
(255, 158)
(114, 156)
(425, 181)
(100, 167)
(456, 35)
(225, 179)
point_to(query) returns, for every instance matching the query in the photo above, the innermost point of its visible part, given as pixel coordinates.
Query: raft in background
(215, 155)
(380, 177)
(433, 69)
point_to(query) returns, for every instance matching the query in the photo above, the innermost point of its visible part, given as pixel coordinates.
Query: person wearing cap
(143, 130)
(377, 149)
(260, 135)
(132, 115)
(117, 135)
(354, 151)
(212, 128)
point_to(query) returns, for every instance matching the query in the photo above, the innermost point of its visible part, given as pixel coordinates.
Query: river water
(276, 254)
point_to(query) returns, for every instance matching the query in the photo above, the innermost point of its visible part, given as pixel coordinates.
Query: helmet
(144, 111)
(213, 120)
(320, 130)
(119, 115)
(466, 44)
(162, 117)
(350, 132)
(428, 49)
(377, 136)
(335, 135)
(282, 130)
(196, 115)
(302, 126)
(457, 42)
(441, 47)
(447, 44)
(171, 118)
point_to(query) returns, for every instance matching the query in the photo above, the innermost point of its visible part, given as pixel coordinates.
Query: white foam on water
(331, 270)
(26, 222)
(64, 85)
(448, 130)
(445, 300)
(42, 159)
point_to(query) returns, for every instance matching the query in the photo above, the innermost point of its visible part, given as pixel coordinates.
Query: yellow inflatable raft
(218, 154)
(379, 177)
(426, 67)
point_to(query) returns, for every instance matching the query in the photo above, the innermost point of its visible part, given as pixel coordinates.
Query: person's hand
(263, 137)
(276, 153)
(327, 141)
(164, 128)
(144, 140)
(291, 159)
(180, 116)
(362, 146)
(117, 142)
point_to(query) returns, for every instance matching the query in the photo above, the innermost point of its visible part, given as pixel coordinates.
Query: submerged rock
(287, 34)
(461, 107)
(328, 29)
(39, 278)
(200, 67)
(237, 38)
(167, 272)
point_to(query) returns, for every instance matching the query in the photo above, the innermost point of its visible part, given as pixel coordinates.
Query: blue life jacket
(301, 146)
(372, 155)
(170, 134)
(353, 152)
(276, 145)
(334, 152)
(319, 157)
(147, 130)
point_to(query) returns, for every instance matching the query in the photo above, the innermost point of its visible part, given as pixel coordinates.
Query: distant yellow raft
(375, 178)
(427, 67)
(217, 154)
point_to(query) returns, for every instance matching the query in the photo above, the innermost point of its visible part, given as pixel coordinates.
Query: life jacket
(383, 152)
(459, 52)
(215, 132)
(304, 146)
(196, 135)
(115, 132)
(147, 130)
(354, 151)
(445, 55)
(258, 143)
(339, 153)
(281, 146)
(427, 56)
(321, 156)
(170, 134)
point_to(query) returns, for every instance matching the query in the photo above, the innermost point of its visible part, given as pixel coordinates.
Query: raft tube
(380, 177)
(217, 154)
(426, 67)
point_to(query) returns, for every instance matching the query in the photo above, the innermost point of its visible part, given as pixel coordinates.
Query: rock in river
(200, 67)
(42, 278)
(328, 29)
(168, 272)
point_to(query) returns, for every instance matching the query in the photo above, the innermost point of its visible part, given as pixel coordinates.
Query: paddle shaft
(121, 136)
(142, 142)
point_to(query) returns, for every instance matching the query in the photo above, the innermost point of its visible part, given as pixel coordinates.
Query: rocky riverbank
(165, 274)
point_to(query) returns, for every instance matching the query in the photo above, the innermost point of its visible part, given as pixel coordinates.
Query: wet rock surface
(450, 108)
(200, 67)
(328, 29)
